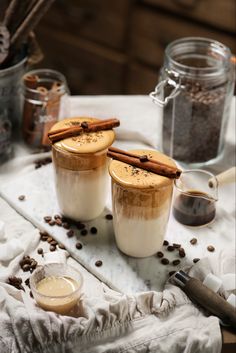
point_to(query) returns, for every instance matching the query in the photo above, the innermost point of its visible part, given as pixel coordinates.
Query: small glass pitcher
(195, 197)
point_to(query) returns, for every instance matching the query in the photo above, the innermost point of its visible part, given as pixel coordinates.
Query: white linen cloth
(109, 322)
(106, 321)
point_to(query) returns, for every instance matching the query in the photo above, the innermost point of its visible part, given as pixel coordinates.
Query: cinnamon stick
(144, 162)
(61, 134)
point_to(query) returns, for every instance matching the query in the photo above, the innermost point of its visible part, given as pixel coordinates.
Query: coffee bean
(61, 246)
(182, 252)
(70, 233)
(31, 294)
(193, 241)
(43, 235)
(26, 267)
(165, 243)
(160, 254)
(84, 232)
(165, 261)
(171, 273)
(210, 248)
(27, 282)
(58, 222)
(66, 225)
(143, 158)
(196, 260)
(52, 248)
(170, 248)
(52, 223)
(109, 216)
(57, 216)
(49, 239)
(53, 242)
(47, 218)
(80, 225)
(175, 262)
(21, 197)
(15, 282)
(98, 263)
(33, 264)
(93, 230)
(40, 251)
(78, 245)
(84, 125)
(176, 246)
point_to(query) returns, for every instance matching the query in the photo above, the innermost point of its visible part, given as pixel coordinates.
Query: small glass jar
(80, 165)
(141, 203)
(195, 91)
(45, 101)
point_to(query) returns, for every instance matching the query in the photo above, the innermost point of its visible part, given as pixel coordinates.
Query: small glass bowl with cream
(141, 202)
(80, 165)
(56, 287)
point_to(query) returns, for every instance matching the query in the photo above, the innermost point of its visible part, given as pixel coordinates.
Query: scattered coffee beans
(98, 263)
(47, 218)
(176, 246)
(93, 230)
(175, 262)
(84, 232)
(70, 233)
(28, 264)
(165, 261)
(27, 282)
(52, 223)
(160, 254)
(182, 252)
(80, 225)
(40, 251)
(15, 282)
(84, 125)
(109, 216)
(52, 248)
(40, 162)
(193, 241)
(57, 216)
(78, 245)
(165, 243)
(61, 246)
(58, 222)
(196, 260)
(210, 248)
(170, 248)
(21, 197)
(66, 225)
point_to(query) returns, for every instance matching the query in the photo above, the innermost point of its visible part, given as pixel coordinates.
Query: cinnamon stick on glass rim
(60, 134)
(144, 162)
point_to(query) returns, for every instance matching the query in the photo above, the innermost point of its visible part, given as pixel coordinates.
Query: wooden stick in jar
(144, 162)
(61, 134)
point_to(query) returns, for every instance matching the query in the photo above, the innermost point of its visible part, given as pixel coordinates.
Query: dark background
(117, 46)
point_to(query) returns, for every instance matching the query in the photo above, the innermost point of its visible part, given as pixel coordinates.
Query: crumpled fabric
(113, 323)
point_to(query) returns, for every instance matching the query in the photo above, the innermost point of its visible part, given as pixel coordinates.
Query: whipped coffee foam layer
(133, 177)
(89, 142)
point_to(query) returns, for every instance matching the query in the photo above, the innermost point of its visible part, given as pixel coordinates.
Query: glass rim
(61, 79)
(213, 46)
(33, 287)
(198, 171)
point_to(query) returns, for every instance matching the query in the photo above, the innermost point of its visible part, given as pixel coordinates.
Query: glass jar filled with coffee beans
(195, 90)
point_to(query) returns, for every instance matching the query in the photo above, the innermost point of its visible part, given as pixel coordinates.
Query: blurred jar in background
(45, 102)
